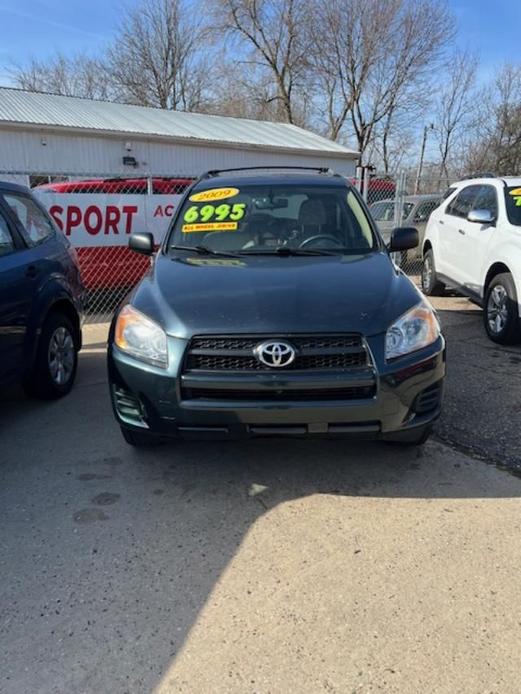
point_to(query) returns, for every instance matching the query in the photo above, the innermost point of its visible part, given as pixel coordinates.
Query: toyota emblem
(275, 353)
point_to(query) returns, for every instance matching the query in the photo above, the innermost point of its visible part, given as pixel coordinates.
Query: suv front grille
(209, 362)
(300, 341)
(213, 365)
(236, 353)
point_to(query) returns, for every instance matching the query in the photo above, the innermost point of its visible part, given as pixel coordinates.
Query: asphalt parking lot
(482, 407)
(269, 566)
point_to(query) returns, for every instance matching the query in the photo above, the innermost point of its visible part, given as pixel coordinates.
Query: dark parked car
(416, 212)
(273, 309)
(40, 298)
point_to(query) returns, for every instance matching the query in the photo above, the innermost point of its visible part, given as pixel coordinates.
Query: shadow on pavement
(109, 554)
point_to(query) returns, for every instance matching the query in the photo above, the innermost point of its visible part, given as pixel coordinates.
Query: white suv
(473, 243)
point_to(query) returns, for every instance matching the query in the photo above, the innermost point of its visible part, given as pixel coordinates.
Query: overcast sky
(41, 27)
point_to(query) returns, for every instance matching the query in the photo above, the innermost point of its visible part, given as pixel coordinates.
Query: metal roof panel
(18, 107)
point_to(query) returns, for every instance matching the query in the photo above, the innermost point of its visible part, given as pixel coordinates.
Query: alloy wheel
(427, 273)
(61, 356)
(497, 309)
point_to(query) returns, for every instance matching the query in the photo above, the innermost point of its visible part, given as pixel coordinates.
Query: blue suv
(40, 298)
(273, 309)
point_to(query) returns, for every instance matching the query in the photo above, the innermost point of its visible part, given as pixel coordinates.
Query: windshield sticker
(214, 194)
(516, 194)
(220, 213)
(215, 226)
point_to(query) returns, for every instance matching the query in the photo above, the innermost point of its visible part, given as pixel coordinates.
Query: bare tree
(494, 142)
(155, 58)
(455, 106)
(375, 52)
(395, 135)
(246, 92)
(78, 75)
(507, 135)
(272, 32)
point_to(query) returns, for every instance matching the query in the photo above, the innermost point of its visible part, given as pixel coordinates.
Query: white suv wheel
(431, 286)
(497, 308)
(501, 313)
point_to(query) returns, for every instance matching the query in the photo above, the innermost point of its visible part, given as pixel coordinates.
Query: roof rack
(320, 169)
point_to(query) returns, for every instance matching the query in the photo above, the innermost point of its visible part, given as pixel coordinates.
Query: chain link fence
(402, 199)
(98, 213)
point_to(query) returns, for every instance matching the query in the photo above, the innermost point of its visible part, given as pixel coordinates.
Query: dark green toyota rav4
(273, 308)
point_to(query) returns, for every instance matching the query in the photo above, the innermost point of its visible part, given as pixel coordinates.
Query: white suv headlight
(416, 329)
(138, 335)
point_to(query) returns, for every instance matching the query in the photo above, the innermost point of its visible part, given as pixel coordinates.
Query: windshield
(407, 209)
(384, 211)
(271, 218)
(448, 193)
(513, 203)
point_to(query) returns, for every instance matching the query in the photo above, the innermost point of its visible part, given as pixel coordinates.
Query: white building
(50, 135)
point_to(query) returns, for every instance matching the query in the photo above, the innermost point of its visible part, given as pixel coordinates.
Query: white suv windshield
(257, 218)
(513, 204)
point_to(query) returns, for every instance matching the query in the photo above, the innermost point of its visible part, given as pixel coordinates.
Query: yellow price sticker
(214, 194)
(211, 226)
(219, 213)
(516, 194)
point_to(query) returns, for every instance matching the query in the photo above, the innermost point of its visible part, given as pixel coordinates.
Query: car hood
(261, 294)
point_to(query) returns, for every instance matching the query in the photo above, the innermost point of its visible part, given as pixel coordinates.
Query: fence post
(399, 198)
(365, 183)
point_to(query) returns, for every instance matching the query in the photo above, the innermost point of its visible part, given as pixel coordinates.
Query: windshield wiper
(203, 250)
(288, 251)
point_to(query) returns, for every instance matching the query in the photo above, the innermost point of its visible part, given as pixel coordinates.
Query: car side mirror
(142, 243)
(481, 217)
(403, 238)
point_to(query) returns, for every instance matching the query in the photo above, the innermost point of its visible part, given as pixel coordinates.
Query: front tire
(431, 285)
(501, 312)
(56, 360)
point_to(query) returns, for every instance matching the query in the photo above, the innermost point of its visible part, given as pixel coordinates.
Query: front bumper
(408, 398)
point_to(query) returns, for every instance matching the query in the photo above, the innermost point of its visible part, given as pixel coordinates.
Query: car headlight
(138, 335)
(416, 329)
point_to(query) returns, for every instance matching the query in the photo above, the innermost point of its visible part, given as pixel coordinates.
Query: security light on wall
(43, 141)
(128, 146)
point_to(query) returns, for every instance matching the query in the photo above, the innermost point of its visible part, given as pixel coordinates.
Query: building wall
(24, 151)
